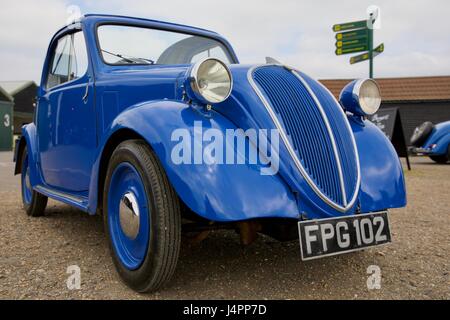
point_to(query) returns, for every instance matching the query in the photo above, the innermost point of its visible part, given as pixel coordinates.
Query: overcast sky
(416, 33)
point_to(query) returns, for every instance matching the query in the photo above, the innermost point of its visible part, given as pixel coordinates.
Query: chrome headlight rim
(194, 80)
(357, 93)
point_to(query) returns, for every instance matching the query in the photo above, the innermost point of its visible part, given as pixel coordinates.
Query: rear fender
(28, 140)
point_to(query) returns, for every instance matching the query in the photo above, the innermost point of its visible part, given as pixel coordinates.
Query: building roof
(5, 96)
(13, 87)
(403, 89)
(392, 89)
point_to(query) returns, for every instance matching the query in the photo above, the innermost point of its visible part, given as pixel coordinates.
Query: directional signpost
(357, 37)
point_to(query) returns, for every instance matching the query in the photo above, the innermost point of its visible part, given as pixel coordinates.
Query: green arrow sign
(350, 25)
(351, 35)
(347, 50)
(351, 43)
(379, 49)
(359, 58)
(365, 56)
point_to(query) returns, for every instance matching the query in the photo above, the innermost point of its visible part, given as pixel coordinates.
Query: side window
(79, 62)
(59, 68)
(69, 60)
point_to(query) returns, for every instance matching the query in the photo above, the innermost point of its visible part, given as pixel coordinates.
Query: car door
(66, 122)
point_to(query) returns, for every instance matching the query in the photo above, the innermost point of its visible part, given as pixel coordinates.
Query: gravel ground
(35, 254)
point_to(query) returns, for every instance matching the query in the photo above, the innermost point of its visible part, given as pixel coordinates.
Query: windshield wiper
(150, 61)
(119, 55)
(130, 58)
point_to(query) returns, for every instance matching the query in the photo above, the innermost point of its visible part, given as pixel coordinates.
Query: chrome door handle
(86, 93)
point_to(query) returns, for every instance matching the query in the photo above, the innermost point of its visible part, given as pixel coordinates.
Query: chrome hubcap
(129, 215)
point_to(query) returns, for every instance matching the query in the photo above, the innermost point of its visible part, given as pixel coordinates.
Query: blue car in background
(433, 141)
(159, 128)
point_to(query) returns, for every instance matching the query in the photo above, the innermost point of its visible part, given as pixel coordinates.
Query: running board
(79, 202)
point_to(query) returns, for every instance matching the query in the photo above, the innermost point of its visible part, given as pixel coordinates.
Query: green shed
(24, 97)
(6, 121)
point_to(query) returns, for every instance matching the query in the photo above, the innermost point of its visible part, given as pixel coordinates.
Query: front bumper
(422, 151)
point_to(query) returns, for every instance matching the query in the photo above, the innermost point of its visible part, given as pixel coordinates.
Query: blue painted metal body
(67, 142)
(439, 139)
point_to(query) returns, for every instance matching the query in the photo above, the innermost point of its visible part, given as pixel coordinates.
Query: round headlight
(211, 81)
(369, 97)
(361, 97)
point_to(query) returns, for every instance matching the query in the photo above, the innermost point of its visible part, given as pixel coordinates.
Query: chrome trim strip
(291, 149)
(50, 192)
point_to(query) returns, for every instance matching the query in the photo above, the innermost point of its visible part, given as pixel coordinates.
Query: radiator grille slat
(306, 128)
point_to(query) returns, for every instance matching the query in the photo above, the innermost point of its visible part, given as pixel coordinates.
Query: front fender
(382, 180)
(442, 145)
(440, 136)
(218, 192)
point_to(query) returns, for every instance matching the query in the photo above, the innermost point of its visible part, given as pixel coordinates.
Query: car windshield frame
(228, 50)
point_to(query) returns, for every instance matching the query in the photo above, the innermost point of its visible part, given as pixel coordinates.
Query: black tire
(421, 133)
(439, 159)
(163, 248)
(36, 206)
(442, 158)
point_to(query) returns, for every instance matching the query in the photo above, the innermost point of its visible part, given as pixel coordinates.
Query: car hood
(316, 151)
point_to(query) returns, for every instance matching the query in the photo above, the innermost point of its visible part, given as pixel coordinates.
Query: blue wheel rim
(131, 252)
(27, 191)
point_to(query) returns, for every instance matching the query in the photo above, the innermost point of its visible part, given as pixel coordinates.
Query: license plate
(332, 236)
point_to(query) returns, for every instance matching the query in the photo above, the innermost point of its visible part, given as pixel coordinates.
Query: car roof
(121, 18)
(97, 19)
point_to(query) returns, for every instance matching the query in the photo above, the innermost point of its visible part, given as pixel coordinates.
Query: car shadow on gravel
(219, 267)
(434, 164)
(265, 266)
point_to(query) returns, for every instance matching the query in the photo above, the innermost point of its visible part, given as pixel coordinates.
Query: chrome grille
(316, 129)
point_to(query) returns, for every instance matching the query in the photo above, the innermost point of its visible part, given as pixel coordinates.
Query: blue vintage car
(432, 140)
(159, 128)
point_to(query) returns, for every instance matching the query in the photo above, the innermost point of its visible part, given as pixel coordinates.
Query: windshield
(127, 45)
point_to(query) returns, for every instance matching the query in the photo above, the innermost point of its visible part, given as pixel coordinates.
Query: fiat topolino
(432, 141)
(121, 102)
